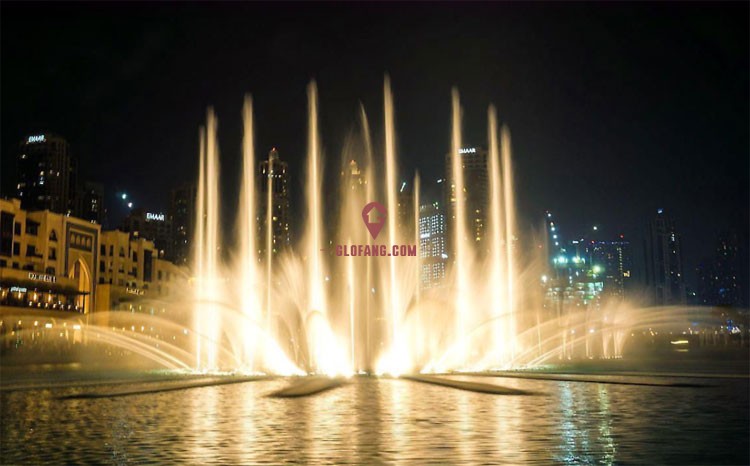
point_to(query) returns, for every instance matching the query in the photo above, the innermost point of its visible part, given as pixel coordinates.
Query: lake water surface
(378, 421)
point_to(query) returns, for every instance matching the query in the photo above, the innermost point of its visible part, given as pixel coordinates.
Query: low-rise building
(58, 263)
(47, 260)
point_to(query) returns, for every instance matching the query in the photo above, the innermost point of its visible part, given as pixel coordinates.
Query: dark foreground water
(374, 421)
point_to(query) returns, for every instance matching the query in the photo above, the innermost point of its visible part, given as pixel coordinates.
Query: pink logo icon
(374, 215)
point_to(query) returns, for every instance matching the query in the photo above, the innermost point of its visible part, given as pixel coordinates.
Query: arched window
(53, 235)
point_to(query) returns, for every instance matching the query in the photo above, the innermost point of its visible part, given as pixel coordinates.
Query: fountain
(252, 309)
(354, 314)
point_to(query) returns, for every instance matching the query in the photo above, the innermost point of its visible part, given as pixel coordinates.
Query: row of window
(29, 267)
(32, 252)
(32, 228)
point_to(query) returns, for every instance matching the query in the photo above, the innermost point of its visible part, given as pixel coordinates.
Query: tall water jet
(510, 227)
(269, 317)
(326, 354)
(497, 246)
(247, 239)
(397, 358)
(369, 197)
(461, 242)
(208, 277)
(390, 181)
(200, 238)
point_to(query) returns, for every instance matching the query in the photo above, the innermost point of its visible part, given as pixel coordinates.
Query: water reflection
(381, 421)
(605, 427)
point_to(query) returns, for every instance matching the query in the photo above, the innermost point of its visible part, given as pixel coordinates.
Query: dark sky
(615, 110)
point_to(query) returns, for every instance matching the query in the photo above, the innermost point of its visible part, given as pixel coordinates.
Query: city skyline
(174, 242)
(627, 150)
(373, 233)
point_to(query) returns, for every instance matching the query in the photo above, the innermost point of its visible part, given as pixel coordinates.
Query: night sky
(615, 110)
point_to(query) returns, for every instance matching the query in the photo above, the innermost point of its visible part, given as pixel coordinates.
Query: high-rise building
(90, 203)
(274, 175)
(613, 261)
(405, 210)
(182, 214)
(153, 226)
(353, 176)
(432, 245)
(46, 174)
(476, 192)
(720, 280)
(664, 272)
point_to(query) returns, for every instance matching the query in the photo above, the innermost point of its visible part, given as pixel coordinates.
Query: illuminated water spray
(247, 239)
(307, 310)
(460, 237)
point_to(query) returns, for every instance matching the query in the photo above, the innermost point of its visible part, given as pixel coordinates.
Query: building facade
(47, 260)
(613, 261)
(46, 174)
(432, 245)
(182, 214)
(721, 278)
(90, 203)
(130, 272)
(664, 272)
(273, 185)
(476, 186)
(153, 226)
(57, 263)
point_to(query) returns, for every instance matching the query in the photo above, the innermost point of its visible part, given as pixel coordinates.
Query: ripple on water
(375, 421)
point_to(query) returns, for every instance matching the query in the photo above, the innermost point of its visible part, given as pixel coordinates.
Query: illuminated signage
(37, 138)
(41, 277)
(156, 217)
(467, 150)
(18, 289)
(135, 291)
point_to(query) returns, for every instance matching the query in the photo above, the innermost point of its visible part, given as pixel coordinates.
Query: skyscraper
(274, 175)
(720, 279)
(90, 203)
(182, 215)
(432, 245)
(153, 226)
(405, 206)
(46, 174)
(614, 262)
(476, 186)
(664, 272)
